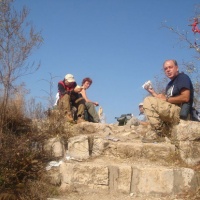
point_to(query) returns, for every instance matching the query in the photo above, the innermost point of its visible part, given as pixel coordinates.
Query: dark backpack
(123, 119)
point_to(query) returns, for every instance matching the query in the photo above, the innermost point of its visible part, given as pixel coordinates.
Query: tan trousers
(159, 113)
(64, 105)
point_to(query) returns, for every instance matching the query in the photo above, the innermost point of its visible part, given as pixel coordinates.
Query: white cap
(141, 104)
(70, 78)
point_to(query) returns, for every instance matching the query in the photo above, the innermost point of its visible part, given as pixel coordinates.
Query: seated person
(69, 96)
(90, 105)
(165, 110)
(140, 120)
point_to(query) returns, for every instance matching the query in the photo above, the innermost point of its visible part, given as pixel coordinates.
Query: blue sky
(120, 44)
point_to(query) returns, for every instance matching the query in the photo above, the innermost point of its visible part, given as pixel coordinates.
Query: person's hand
(96, 103)
(161, 96)
(78, 89)
(151, 91)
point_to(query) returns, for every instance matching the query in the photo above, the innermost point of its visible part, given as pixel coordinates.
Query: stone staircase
(110, 158)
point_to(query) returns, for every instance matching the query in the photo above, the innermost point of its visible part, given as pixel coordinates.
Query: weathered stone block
(124, 179)
(91, 175)
(154, 152)
(113, 178)
(78, 147)
(98, 146)
(163, 181)
(187, 130)
(186, 180)
(120, 178)
(55, 146)
(149, 181)
(66, 169)
(189, 152)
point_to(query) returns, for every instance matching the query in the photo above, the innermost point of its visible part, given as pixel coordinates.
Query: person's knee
(146, 102)
(89, 105)
(149, 101)
(80, 101)
(81, 109)
(66, 97)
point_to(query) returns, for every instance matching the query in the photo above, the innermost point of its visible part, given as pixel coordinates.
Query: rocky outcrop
(113, 158)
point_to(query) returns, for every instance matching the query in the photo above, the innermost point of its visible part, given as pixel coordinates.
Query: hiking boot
(69, 117)
(153, 137)
(80, 119)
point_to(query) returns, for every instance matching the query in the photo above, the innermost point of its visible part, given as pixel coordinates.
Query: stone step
(84, 147)
(129, 178)
(114, 160)
(157, 152)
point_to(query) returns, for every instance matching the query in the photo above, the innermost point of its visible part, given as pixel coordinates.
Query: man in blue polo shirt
(165, 110)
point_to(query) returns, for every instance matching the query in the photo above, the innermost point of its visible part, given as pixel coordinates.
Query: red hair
(87, 79)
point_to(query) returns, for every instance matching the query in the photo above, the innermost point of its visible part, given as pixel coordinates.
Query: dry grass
(23, 158)
(45, 190)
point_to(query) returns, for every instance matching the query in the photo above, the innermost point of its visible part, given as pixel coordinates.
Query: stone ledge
(138, 180)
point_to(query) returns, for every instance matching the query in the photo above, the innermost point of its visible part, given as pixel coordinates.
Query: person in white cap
(69, 96)
(140, 119)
